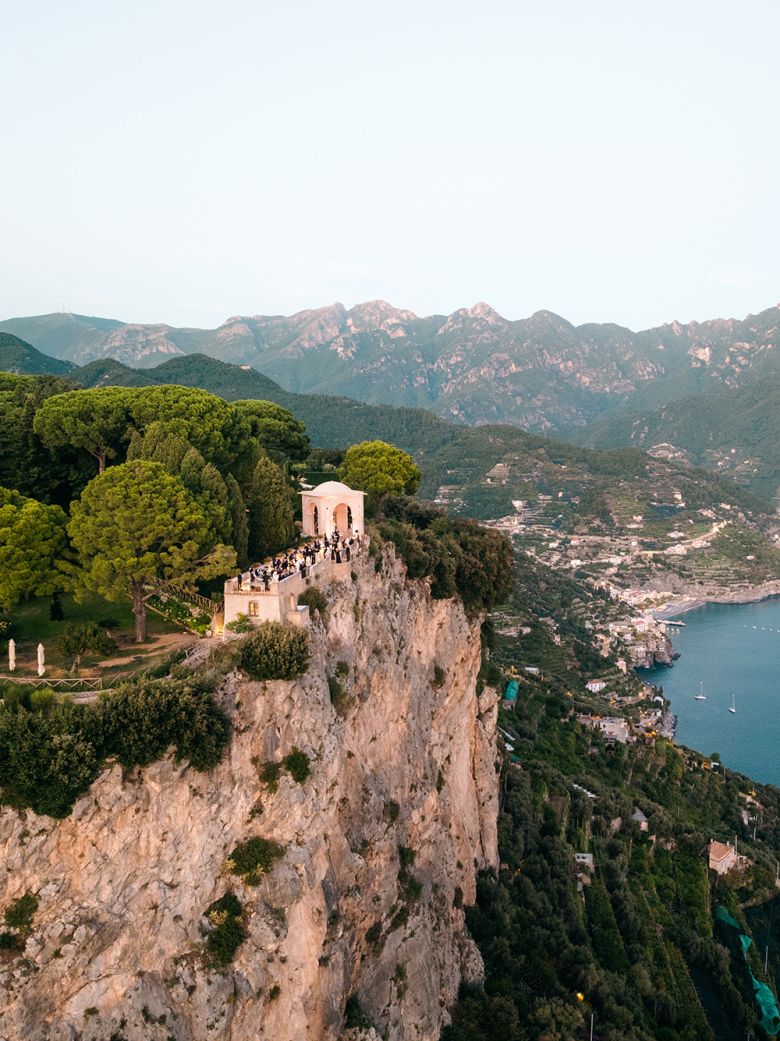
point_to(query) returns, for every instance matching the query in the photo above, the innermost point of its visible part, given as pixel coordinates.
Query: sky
(183, 161)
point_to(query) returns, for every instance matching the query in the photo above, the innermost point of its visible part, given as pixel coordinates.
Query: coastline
(749, 595)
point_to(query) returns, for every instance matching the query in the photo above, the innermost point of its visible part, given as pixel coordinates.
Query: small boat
(701, 696)
(733, 706)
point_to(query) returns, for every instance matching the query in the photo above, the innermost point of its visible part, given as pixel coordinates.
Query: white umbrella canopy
(11, 655)
(41, 659)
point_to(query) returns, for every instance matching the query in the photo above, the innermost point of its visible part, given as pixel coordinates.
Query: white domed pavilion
(332, 505)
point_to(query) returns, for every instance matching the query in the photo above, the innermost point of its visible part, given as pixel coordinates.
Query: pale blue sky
(181, 160)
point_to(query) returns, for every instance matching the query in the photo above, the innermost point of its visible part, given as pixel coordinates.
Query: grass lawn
(32, 626)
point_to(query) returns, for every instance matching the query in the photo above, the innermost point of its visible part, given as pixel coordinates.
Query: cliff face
(123, 883)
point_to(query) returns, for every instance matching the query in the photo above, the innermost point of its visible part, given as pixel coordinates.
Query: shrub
(391, 810)
(149, 716)
(374, 935)
(242, 624)
(457, 555)
(42, 699)
(439, 676)
(274, 992)
(108, 623)
(275, 652)
(315, 600)
(410, 888)
(78, 638)
(10, 942)
(406, 856)
(338, 695)
(297, 763)
(254, 858)
(19, 914)
(228, 930)
(49, 757)
(354, 1016)
(342, 668)
(269, 774)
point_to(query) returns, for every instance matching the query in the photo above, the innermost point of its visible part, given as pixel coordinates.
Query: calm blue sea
(730, 648)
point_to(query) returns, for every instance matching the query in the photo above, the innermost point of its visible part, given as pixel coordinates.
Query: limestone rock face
(116, 948)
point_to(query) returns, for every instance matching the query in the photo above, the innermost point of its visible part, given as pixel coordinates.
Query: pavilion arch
(332, 505)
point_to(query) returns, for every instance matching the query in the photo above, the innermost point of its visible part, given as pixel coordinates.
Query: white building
(595, 686)
(332, 505)
(722, 857)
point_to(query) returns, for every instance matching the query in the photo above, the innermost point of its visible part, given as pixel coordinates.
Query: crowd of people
(298, 561)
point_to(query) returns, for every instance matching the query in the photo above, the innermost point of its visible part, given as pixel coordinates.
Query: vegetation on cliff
(460, 557)
(52, 750)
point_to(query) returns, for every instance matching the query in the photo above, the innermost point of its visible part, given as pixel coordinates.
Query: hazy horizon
(180, 164)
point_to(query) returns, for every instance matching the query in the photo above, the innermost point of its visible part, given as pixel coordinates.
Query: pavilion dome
(332, 488)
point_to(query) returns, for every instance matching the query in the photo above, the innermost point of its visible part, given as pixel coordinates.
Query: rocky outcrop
(652, 648)
(407, 762)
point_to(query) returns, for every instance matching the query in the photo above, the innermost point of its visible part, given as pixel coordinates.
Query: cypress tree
(271, 525)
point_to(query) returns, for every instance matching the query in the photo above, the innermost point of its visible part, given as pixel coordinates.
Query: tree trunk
(101, 458)
(139, 610)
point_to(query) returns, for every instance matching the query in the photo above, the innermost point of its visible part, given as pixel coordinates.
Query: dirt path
(166, 643)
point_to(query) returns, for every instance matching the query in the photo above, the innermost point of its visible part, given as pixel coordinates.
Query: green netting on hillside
(765, 999)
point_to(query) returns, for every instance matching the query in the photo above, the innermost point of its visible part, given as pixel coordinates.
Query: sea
(729, 649)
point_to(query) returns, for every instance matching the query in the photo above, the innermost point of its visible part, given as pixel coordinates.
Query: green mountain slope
(634, 938)
(21, 357)
(734, 431)
(456, 458)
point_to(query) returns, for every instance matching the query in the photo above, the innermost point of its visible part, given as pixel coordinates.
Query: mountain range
(472, 366)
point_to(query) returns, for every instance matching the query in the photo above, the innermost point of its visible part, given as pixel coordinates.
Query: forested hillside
(734, 431)
(18, 356)
(637, 940)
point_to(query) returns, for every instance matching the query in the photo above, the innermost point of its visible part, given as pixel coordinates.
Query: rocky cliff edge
(116, 949)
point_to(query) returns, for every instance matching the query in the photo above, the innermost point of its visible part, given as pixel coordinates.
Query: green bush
(49, 757)
(10, 942)
(254, 858)
(242, 624)
(315, 600)
(269, 774)
(374, 935)
(355, 1017)
(338, 694)
(19, 914)
(457, 555)
(80, 638)
(226, 916)
(297, 764)
(275, 652)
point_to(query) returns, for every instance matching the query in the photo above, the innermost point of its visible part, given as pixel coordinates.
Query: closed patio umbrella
(11, 655)
(41, 667)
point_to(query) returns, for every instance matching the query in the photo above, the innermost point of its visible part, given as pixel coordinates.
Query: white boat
(701, 696)
(733, 705)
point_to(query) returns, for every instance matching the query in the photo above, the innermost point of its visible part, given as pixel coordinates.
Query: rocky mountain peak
(486, 313)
